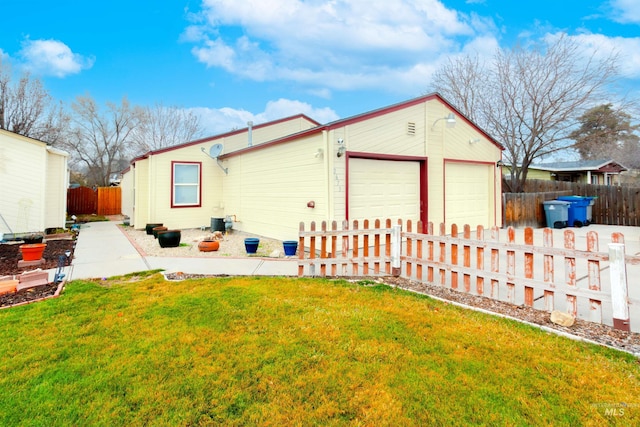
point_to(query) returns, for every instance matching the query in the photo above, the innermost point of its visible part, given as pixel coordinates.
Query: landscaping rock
(562, 318)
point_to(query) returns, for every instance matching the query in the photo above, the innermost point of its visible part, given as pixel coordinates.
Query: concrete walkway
(103, 250)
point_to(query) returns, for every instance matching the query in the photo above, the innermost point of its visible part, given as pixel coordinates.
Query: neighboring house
(405, 161)
(600, 172)
(33, 185)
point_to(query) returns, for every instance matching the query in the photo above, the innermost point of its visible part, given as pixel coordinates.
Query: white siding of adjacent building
(57, 182)
(32, 185)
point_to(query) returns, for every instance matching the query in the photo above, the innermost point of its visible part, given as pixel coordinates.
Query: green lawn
(279, 351)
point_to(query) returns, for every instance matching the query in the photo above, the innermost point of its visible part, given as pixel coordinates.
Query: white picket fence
(537, 272)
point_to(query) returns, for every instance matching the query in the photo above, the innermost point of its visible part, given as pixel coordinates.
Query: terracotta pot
(169, 238)
(155, 231)
(208, 245)
(32, 252)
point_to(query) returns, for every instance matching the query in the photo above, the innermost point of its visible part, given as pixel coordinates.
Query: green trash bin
(556, 213)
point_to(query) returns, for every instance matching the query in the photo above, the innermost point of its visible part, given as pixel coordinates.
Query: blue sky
(232, 61)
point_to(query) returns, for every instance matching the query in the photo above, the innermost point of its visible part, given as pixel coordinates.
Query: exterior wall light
(451, 121)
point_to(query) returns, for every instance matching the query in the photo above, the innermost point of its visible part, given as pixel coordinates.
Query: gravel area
(231, 245)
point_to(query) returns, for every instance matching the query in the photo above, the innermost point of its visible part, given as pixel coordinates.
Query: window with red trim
(185, 183)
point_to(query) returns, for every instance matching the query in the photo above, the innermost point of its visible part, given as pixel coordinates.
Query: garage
(468, 194)
(381, 189)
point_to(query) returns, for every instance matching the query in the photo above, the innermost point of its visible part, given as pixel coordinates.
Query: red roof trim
(224, 135)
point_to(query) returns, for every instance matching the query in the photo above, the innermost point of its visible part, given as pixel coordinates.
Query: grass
(139, 350)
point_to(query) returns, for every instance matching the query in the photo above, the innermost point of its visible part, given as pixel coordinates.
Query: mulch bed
(9, 257)
(28, 295)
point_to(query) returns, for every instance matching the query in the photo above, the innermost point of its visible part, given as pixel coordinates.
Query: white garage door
(381, 189)
(468, 188)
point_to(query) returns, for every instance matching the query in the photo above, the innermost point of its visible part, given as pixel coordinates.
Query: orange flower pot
(208, 246)
(32, 252)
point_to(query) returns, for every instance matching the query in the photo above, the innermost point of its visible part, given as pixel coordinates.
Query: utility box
(556, 213)
(217, 224)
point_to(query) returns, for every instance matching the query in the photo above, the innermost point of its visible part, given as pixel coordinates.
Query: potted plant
(32, 251)
(210, 243)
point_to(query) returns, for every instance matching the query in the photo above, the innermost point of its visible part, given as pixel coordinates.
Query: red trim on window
(172, 195)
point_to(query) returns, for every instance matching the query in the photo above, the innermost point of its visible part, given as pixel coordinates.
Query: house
(599, 172)
(419, 160)
(33, 185)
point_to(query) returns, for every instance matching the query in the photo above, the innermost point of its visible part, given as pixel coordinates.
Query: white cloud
(626, 11)
(330, 44)
(52, 57)
(220, 120)
(628, 50)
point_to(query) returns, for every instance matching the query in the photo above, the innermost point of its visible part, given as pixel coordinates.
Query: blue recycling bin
(577, 210)
(556, 213)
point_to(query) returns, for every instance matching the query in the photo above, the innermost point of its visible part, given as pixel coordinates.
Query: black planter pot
(169, 238)
(156, 230)
(149, 228)
(30, 240)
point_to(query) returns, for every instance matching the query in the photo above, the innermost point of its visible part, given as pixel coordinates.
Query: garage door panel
(384, 189)
(467, 194)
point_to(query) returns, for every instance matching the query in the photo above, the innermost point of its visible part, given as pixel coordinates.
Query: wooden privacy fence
(613, 204)
(537, 273)
(102, 201)
(527, 209)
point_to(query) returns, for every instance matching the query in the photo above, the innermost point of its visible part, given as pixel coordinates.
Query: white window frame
(175, 185)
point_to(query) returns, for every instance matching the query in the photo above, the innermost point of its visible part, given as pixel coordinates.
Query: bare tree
(528, 99)
(99, 140)
(161, 126)
(26, 108)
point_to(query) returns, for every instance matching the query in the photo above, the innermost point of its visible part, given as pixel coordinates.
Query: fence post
(619, 290)
(396, 246)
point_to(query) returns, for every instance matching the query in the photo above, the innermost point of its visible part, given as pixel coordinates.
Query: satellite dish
(215, 150)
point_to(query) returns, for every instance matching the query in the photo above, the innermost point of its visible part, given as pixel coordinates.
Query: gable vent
(411, 128)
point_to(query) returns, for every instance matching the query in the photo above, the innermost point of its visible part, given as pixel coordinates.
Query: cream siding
(264, 133)
(56, 189)
(141, 215)
(267, 191)
(387, 134)
(127, 192)
(32, 183)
